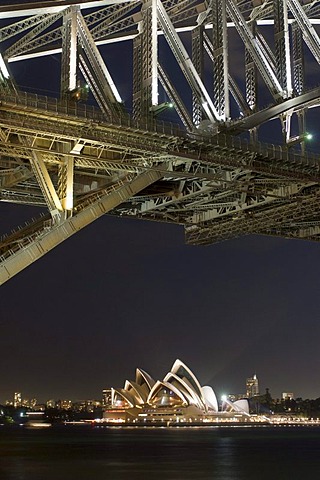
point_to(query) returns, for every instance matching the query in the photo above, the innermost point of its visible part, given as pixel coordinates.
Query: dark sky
(127, 293)
(124, 293)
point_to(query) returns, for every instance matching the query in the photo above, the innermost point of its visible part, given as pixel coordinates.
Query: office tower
(252, 386)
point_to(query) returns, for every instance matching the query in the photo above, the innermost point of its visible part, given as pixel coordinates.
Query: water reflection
(74, 453)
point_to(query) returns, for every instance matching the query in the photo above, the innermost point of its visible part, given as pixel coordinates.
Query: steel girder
(261, 61)
(198, 61)
(298, 60)
(186, 65)
(281, 33)
(220, 58)
(283, 218)
(23, 25)
(32, 243)
(41, 23)
(251, 83)
(97, 74)
(66, 156)
(124, 18)
(309, 33)
(233, 87)
(235, 177)
(175, 98)
(145, 87)
(69, 52)
(44, 180)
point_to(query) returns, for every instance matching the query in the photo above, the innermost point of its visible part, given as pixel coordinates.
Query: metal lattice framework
(83, 152)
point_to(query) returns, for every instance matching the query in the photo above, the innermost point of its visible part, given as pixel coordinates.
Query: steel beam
(145, 68)
(175, 98)
(310, 35)
(233, 87)
(101, 76)
(257, 55)
(297, 60)
(215, 184)
(42, 175)
(220, 59)
(257, 222)
(283, 60)
(186, 64)
(30, 246)
(69, 53)
(198, 61)
(66, 184)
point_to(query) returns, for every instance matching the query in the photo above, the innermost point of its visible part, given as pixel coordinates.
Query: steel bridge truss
(84, 152)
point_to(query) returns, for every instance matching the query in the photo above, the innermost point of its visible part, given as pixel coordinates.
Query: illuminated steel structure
(210, 60)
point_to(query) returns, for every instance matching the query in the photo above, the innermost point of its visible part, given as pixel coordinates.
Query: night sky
(125, 293)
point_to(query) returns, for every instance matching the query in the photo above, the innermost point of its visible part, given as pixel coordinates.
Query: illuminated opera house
(179, 397)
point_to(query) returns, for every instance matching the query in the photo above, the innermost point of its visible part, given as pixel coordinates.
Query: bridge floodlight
(80, 93)
(161, 107)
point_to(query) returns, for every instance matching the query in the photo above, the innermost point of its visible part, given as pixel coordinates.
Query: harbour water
(216, 453)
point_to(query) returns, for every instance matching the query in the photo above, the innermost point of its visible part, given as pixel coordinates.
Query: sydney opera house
(179, 397)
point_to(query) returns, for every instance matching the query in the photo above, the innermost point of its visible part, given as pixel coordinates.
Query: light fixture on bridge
(299, 139)
(77, 148)
(156, 109)
(80, 93)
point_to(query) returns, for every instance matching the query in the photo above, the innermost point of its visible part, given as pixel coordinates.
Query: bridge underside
(83, 153)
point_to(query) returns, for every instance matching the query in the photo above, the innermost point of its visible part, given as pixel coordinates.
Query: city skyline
(248, 384)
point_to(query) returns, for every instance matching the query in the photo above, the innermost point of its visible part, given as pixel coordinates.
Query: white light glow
(77, 149)
(3, 68)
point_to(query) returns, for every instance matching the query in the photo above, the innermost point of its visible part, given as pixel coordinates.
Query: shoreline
(159, 425)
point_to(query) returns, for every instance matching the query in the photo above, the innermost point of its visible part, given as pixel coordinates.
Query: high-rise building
(25, 402)
(17, 400)
(287, 396)
(64, 404)
(106, 397)
(252, 386)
